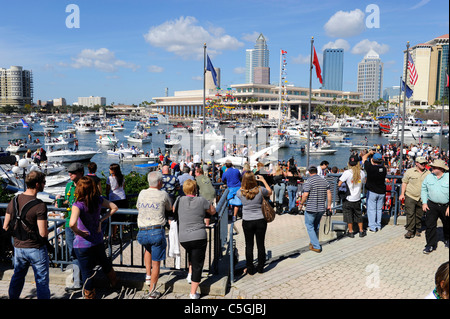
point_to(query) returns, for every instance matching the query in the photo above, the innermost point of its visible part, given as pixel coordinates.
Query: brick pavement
(382, 265)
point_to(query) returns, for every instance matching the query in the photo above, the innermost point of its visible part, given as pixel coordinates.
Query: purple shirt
(88, 221)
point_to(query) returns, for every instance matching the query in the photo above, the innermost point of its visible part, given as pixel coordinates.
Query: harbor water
(87, 140)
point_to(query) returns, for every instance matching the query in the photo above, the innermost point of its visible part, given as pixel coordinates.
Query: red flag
(447, 81)
(283, 52)
(317, 65)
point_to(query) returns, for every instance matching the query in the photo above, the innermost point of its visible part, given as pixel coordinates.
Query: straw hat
(439, 163)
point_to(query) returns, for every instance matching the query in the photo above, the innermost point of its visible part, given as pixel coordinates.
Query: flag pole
(279, 94)
(309, 105)
(204, 100)
(398, 111)
(441, 136)
(404, 110)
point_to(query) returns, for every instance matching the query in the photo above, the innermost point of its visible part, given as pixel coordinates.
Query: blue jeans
(312, 223)
(38, 259)
(375, 203)
(154, 241)
(292, 192)
(279, 192)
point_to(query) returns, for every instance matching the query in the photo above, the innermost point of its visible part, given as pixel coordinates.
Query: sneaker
(418, 234)
(72, 288)
(194, 296)
(362, 233)
(154, 295)
(428, 249)
(188, 278)
(373, 230)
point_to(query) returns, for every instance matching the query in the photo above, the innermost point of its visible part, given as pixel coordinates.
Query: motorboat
(85, 124)
(138, 159)
(108, 140)
(138, 137)
(69, 155)
(20, 145)
(321, 151)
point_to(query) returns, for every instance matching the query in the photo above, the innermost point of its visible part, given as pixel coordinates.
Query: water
(88, 140)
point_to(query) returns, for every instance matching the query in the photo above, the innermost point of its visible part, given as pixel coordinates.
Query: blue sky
(130, 51)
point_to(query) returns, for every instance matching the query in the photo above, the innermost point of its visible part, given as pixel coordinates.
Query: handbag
(267, 210)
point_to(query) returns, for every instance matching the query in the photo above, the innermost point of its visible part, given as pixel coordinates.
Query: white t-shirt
(117, 192)
(355, 190)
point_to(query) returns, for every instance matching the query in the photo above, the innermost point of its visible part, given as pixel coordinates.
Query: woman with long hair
(85, 222)
(354, 177)
(116, 193)
(279, 187)
(253, 222)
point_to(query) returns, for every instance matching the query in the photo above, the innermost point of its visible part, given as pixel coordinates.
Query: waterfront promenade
(382, 265)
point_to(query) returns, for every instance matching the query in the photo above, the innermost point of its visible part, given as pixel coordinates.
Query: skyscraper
(16, 86)
(370, 77)
(333, 69)
(258, 57)
(431, 62)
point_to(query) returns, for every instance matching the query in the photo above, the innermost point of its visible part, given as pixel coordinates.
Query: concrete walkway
(382, 265)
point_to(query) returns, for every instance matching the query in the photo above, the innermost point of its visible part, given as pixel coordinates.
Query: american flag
(412, 70)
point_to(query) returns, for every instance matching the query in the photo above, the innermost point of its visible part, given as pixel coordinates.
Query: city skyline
(130, 52)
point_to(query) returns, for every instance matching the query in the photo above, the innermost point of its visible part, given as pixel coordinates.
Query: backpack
(343, 191)
(19, 226)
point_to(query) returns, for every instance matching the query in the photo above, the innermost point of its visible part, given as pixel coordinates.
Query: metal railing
(125, 251)
(221, 243)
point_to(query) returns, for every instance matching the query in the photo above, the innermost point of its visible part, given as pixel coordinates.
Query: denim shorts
(154, 241)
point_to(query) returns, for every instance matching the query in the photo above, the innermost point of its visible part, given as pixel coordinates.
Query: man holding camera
(376, 188)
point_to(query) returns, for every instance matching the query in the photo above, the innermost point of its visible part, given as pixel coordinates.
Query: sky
(131, 51)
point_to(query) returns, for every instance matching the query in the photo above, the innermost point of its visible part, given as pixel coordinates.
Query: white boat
(139, 159)
(172, 143)
(107, 140)
(321, 151)
(138, 137)
(68, 155)
(17, 146)
(211, 134)
(85, 124)
(282, 140)
(56, 143)
(366, 127)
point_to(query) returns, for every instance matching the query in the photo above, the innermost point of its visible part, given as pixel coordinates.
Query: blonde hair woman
(354, 176)
(279, 187)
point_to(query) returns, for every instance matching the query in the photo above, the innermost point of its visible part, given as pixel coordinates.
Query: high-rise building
(370, 76)
(431, 63)
(258, 57)
(333, 69)
(16, 86)
(92, 101)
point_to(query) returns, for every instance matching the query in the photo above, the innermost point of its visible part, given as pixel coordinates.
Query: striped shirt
(317, 188)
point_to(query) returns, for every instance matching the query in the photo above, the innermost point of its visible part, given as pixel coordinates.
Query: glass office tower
(333, 69)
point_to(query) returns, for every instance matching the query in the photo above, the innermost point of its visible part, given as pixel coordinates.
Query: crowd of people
(182, 196)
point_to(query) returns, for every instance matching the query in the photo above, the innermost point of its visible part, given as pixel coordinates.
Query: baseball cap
(421, 160)
(75, 167)
(353, 160)
(377, 157)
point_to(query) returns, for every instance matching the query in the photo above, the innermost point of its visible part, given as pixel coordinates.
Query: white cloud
(239, 70)
(155, 69)
(184, 37)
(338, 44)
(345, 24)
(101, 59)
(251, 37)
(420, 4)
(301, 59)
(365, 45)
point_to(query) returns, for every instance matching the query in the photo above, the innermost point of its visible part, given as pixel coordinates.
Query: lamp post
(212, 152)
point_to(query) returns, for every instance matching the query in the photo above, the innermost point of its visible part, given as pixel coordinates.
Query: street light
(212, 152)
